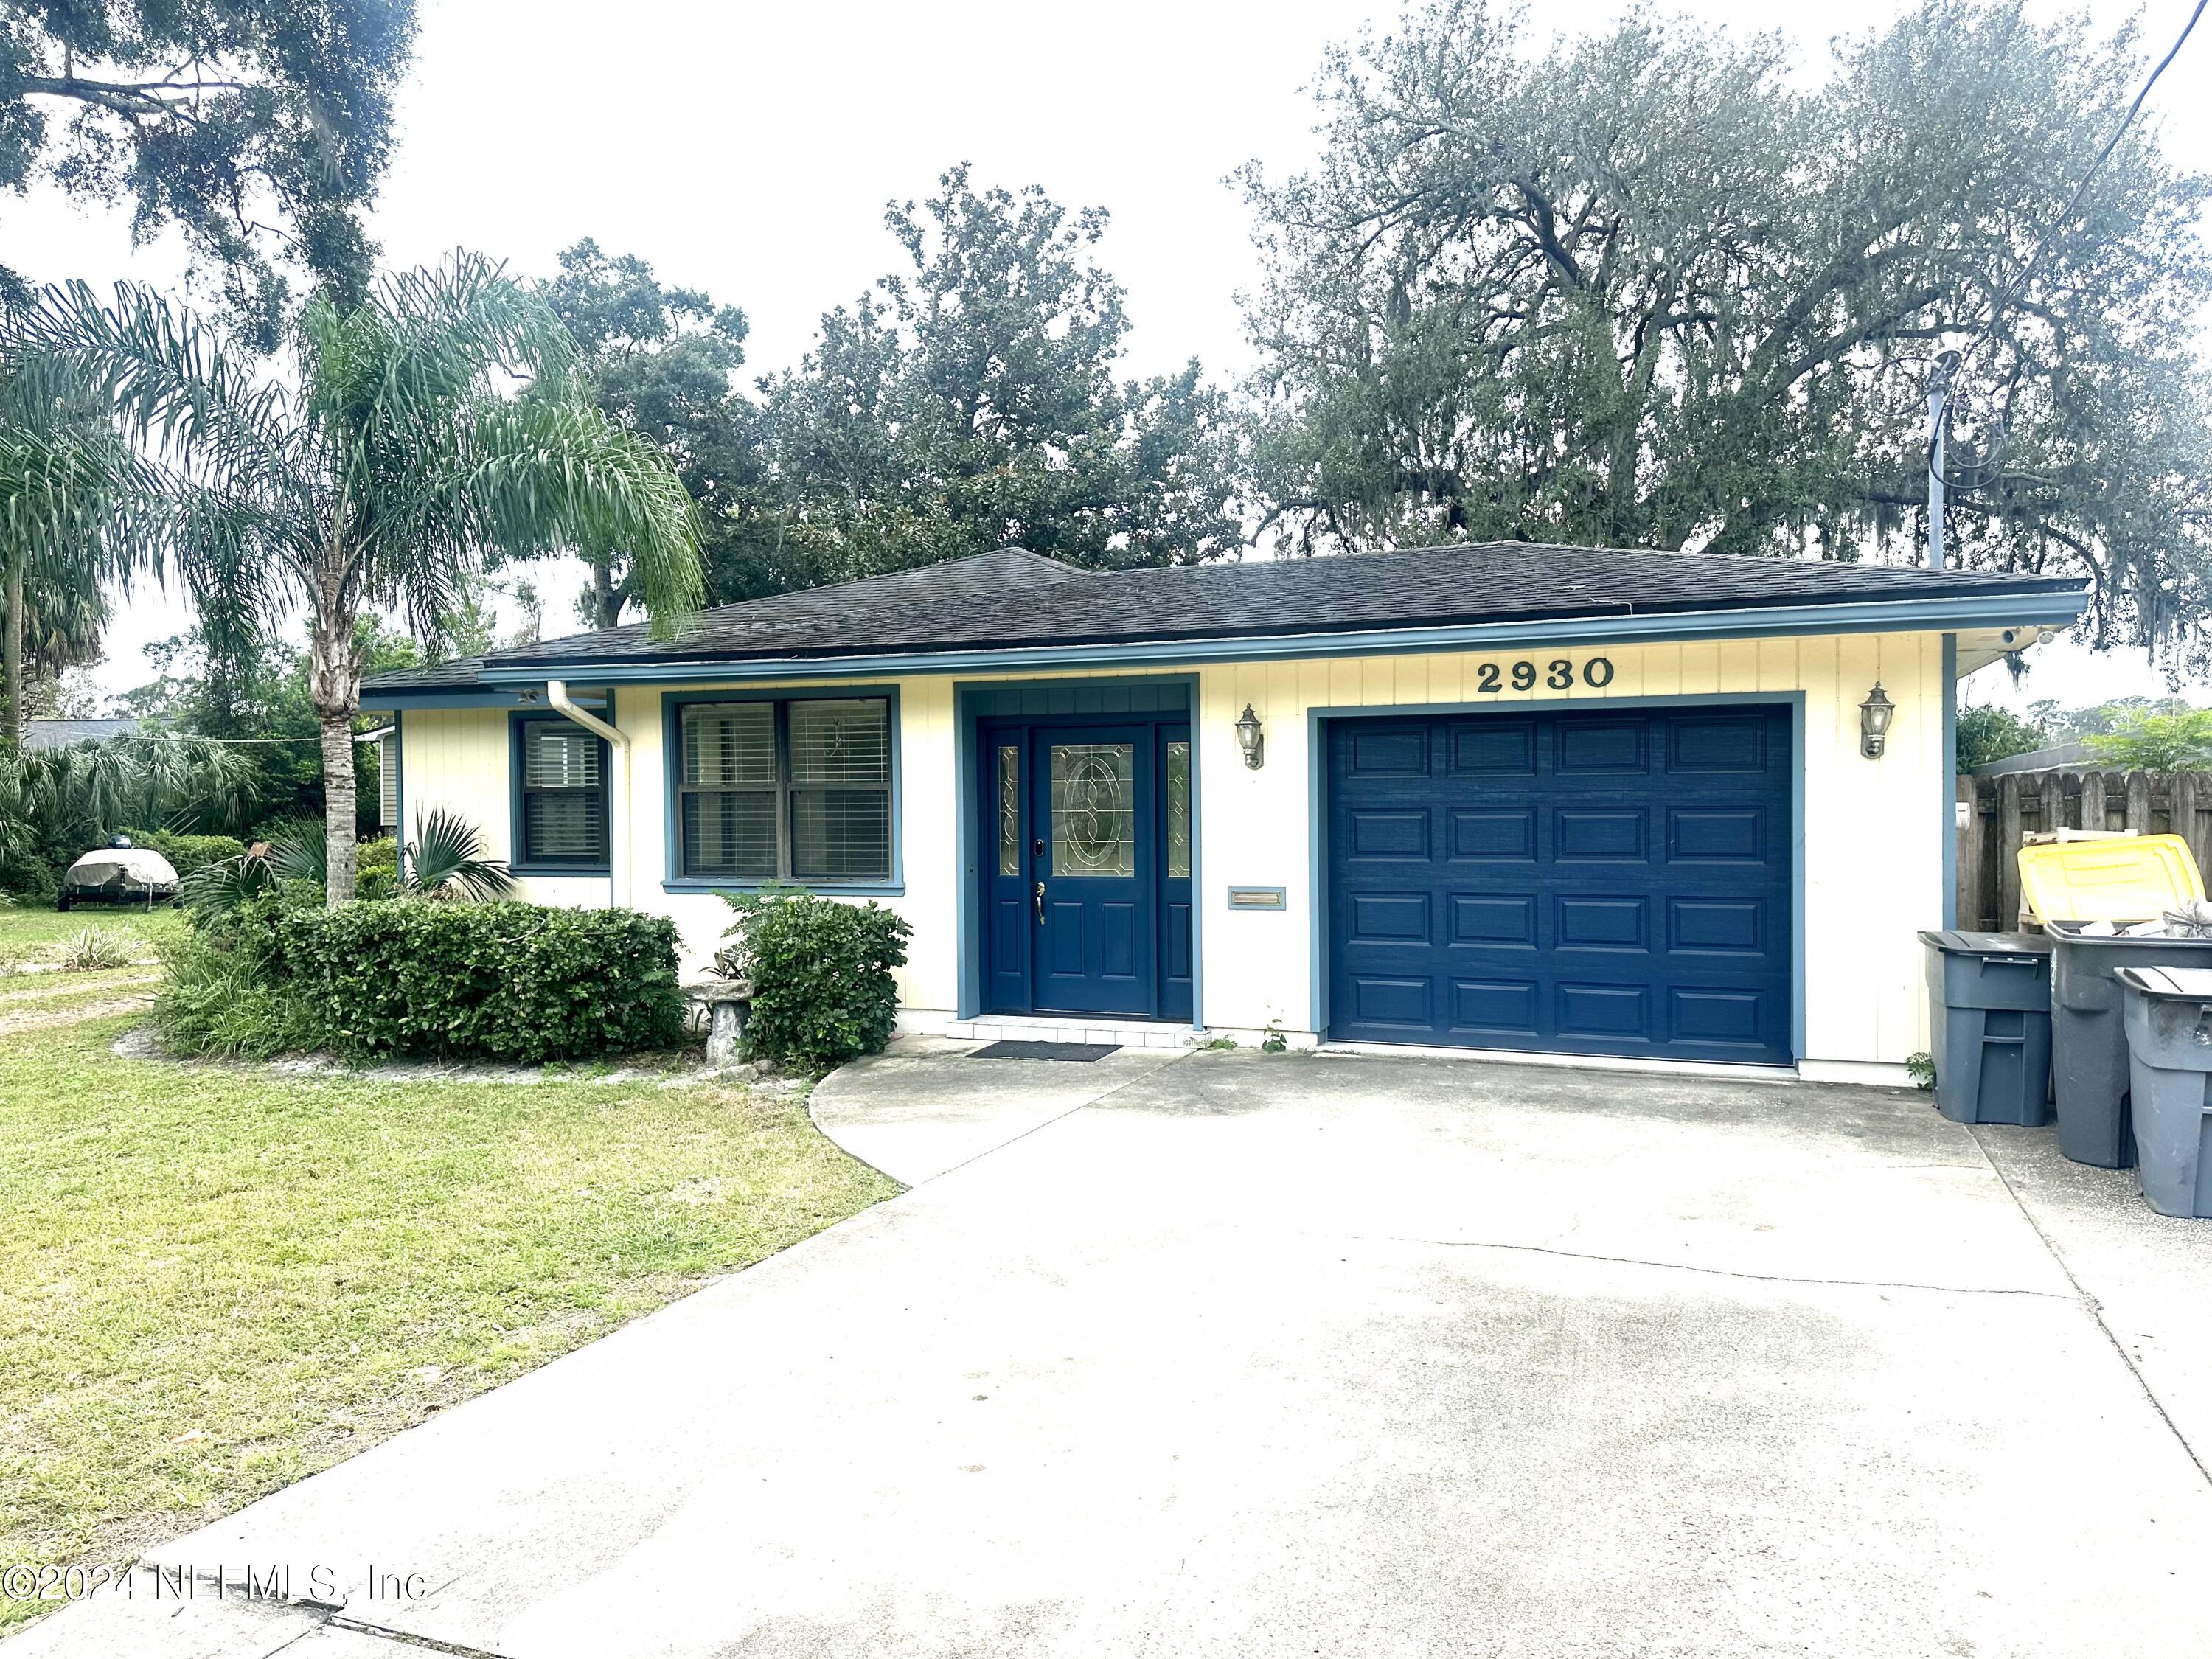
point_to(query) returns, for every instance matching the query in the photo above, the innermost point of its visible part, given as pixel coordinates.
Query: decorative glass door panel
(1095, 905)
(1093, 809)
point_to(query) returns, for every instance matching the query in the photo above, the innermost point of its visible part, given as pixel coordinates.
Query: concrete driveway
(1227, 1354)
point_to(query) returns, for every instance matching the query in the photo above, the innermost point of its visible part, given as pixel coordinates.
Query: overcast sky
(748, 150)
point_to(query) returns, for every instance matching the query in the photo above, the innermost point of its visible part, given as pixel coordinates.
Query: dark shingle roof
(1013, 598)
(61, 734)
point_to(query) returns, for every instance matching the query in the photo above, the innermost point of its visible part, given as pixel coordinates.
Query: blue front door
(1605, 882)
(1086, 849)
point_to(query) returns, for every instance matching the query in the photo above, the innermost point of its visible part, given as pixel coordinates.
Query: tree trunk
(338, 805)
(334, 688)
(11, 657)
(604, 602)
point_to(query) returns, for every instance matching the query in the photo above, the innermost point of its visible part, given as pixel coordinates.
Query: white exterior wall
(1872, 829)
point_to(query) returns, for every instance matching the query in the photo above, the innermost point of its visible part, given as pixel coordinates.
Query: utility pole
(1939, 400)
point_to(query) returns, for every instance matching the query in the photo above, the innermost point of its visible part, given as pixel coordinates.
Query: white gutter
(556, 694)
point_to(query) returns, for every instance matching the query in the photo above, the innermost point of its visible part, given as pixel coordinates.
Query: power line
(1951, 366)
(2043, 243)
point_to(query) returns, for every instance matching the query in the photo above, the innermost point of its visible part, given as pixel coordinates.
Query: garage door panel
(1390, 918)
(1718, 743)
(1708, 1015)
(1498, 920)
(1605, 882)
(1509, 833)
(1732, 925)
(1607, 745)
(1494, 1008)
(1615, 834)
(1389, 752)
(1384, 834)
(1606, 1012)
(1590, 922)
(1400, 1003)
(1502, 748)
(1723, 835)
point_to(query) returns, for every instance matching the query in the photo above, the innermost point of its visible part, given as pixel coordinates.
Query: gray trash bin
(2168, 1014)
(2088, 1041)
(1989, 1005)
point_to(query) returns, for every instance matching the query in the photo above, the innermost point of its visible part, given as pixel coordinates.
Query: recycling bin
(2088, 1036)
(1989, 1005)
(2168, 1015)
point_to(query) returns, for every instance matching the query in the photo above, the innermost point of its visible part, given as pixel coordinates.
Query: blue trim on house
(1950, 781)
(516, 720)
(973, 703)
(672, 751)
(483, 699)
(1317, 818)
(1907, 615)
(399, 787)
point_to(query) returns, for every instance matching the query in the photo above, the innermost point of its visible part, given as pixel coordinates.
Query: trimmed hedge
(503, 981)
(823, 992)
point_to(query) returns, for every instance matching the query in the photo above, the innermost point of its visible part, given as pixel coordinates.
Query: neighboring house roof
(1013, 602)
(60, 734)
(2040, 760)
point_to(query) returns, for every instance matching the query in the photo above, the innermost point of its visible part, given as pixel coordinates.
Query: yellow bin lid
(2130, 879)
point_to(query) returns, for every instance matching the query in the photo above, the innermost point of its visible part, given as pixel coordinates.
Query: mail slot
(1257, 898)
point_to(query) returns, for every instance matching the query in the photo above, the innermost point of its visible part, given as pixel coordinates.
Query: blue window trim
(516, 720)
(672, 751)
(1318, 719)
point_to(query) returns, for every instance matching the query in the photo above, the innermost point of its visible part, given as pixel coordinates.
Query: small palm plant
(446, 859)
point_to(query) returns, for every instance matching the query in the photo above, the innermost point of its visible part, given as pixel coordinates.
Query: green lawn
(214, 1280)
(33, 930)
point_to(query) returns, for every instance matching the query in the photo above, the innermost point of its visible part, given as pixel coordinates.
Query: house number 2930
(1558, 674)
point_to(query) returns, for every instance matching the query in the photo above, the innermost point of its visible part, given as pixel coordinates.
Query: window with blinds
(564, 809)
(387, 781)
(796, 789)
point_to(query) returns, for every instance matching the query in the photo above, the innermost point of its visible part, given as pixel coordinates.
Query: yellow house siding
(1872, 862)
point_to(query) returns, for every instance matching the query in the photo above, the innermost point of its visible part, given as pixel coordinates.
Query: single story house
(1629, 805)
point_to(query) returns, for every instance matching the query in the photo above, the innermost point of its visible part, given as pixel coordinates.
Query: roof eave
(2007, 608)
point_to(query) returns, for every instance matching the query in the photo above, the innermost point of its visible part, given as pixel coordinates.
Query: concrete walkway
(1225, 1354)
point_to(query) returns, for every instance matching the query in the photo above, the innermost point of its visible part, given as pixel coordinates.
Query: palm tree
(66, 482)
(385, 470)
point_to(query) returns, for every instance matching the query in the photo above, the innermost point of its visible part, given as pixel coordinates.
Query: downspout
(619, 859)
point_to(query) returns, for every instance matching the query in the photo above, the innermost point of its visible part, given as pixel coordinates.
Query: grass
(219, 1280)
(34, 927)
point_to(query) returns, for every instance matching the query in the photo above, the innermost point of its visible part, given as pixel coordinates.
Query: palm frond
(552, 474)
(447, 859)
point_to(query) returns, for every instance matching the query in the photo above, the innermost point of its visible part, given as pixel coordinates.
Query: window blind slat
(840, 835)
(559, 756)
(844, 740)
(730, 744)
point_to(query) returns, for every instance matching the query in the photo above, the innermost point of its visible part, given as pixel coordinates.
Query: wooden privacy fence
(2008, 808)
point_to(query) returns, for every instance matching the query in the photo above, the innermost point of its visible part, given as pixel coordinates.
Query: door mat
(1046, 1051)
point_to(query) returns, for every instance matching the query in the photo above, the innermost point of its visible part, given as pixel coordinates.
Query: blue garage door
(1613, 882)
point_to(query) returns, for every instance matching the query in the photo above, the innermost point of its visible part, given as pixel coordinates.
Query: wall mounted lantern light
(1873, 722)
(1250, 738)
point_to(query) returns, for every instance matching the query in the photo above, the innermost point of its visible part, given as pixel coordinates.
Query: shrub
(2158, 743)
(376, 868)
(215, 1000)
(821, 973)
(94, 950)
(501, 981)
